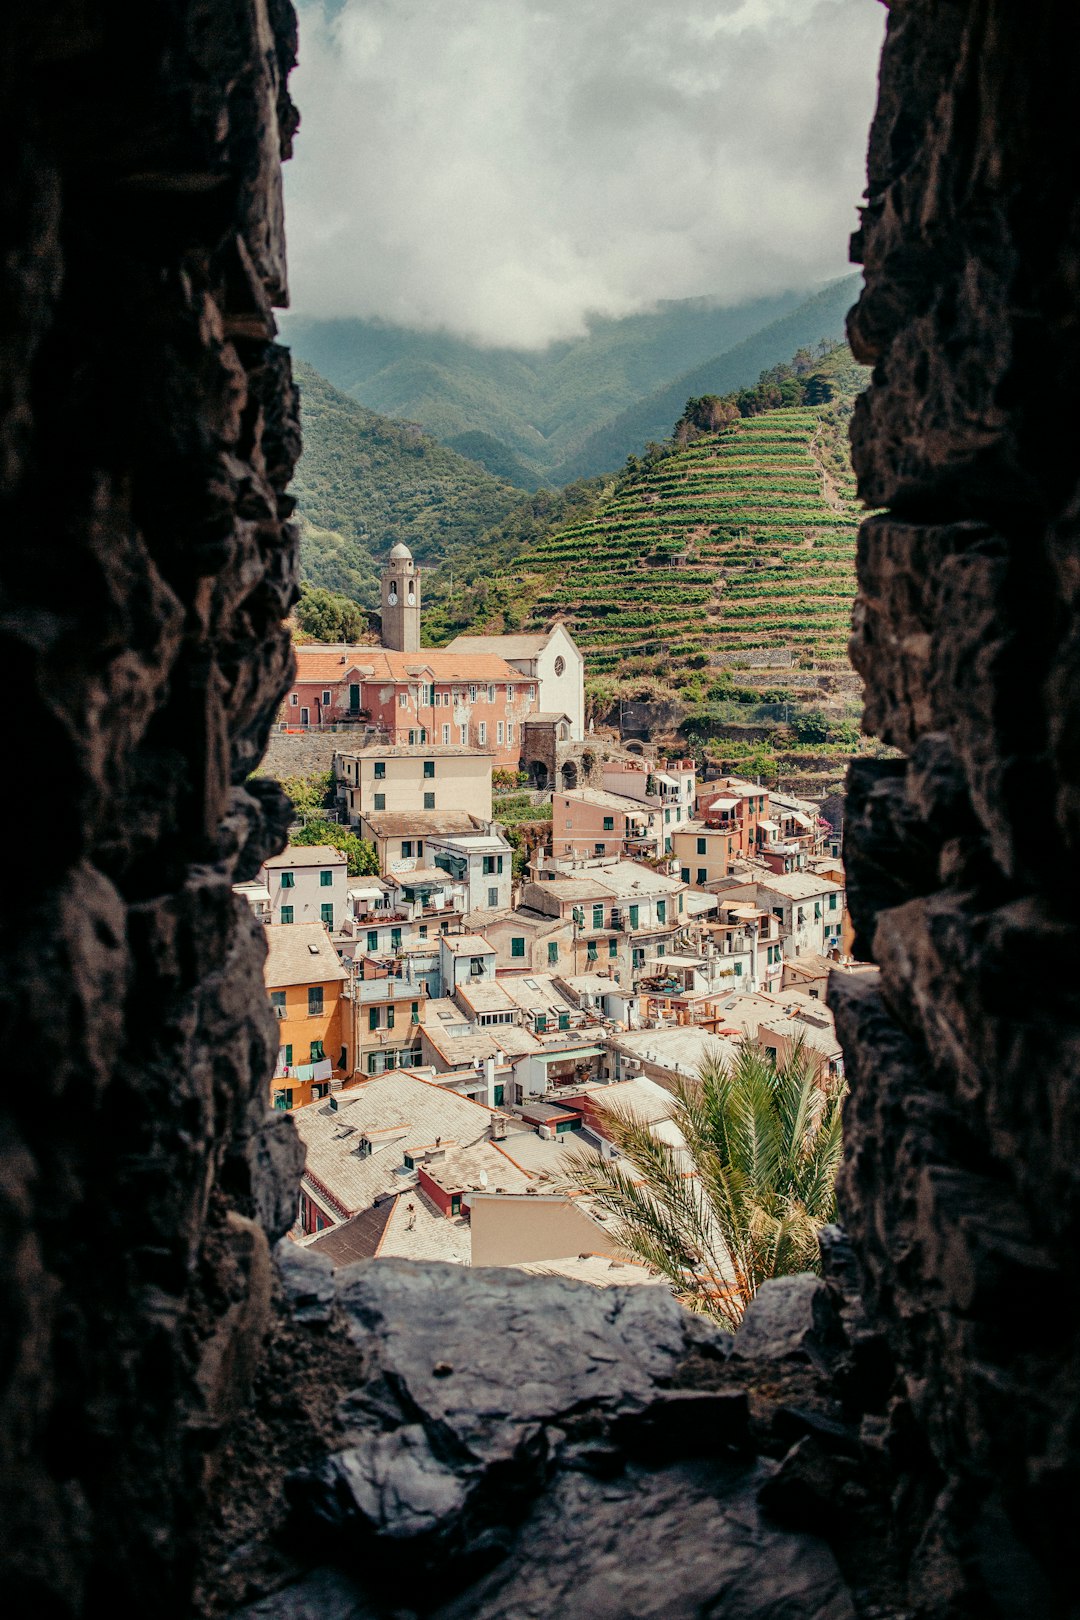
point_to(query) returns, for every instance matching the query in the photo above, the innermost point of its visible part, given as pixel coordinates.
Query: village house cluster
(448, 1029)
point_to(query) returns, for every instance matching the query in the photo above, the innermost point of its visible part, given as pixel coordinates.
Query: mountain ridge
(538, 405)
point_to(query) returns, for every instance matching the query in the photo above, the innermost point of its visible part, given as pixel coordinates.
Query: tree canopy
(745, 1197)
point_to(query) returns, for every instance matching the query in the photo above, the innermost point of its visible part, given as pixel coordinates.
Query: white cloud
(504, 168)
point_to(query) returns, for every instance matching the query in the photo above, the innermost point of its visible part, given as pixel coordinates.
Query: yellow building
(304, 980)
(401, 780)
(703, 852)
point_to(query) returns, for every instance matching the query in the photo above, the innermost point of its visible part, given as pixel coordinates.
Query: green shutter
(517, 946)
(286, 914)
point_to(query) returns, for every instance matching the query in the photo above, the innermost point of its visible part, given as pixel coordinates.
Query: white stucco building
(551, 659)
(307, 885)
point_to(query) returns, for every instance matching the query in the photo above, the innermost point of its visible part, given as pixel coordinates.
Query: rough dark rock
(560, 1466)
(147, 434)
(788, 1317)
(499, 1446)
(959, 1190)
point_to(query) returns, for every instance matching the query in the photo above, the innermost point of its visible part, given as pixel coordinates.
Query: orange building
(740, 809)
(304, 980)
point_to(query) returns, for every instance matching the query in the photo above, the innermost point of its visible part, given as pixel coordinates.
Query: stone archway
(569, 776)
(538, 774)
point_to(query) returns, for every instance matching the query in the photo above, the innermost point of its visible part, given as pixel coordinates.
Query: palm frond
(744, 1199)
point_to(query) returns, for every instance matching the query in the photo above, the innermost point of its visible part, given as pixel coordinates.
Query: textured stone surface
(960, 1188)
(148, 429)
(528, 1446)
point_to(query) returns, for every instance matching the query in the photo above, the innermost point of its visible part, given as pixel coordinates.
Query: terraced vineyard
(742, 541)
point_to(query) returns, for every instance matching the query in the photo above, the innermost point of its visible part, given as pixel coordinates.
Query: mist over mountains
(576, 408)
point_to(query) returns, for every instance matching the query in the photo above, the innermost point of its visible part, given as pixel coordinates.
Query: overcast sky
(504, 168)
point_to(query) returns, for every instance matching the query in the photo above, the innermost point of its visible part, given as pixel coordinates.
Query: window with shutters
(315, 1001)
(288, 880)
(326, 880)
(326, 912)
(286, 914)
(517, 946)
(429, 768)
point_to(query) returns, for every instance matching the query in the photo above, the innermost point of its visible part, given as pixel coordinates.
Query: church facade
(436, 697)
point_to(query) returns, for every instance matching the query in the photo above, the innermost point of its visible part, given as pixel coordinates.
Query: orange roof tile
(378, 664)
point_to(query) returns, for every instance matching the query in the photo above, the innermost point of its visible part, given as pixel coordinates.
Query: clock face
(412, 598)
(392, 598)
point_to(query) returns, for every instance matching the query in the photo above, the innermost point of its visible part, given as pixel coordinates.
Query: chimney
(489, 1080)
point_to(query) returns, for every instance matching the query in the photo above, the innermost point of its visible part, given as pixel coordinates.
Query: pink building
(589, 822)
(430, 697)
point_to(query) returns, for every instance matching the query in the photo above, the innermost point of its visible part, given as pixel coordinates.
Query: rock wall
(148, 430)
(961, 1184)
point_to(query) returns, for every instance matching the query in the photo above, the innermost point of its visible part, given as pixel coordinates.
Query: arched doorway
(569, 774)
(538, 774)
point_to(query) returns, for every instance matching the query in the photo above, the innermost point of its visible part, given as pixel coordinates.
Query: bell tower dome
(401, 601)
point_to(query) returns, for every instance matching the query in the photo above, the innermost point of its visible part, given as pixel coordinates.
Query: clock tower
(401, 601)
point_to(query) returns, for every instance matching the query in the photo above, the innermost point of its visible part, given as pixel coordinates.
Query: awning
(721, 804)
(697, 903)
(769, 826)
(804, 821)
(254, 891)
(370, 893)
(662, 776)
(423, 877)
(571, 1055)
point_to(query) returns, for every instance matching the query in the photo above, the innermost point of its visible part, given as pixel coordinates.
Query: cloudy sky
(504, 168)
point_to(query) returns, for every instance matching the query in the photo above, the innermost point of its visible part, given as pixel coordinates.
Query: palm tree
(744, 1193)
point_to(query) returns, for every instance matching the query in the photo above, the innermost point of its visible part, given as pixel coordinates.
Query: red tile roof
(328, 665)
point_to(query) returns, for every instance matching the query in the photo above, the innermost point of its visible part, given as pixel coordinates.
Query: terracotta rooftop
(316, 662)
(300, 953)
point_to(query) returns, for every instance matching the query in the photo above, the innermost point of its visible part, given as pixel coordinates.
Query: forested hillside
(524, 413)
(663, 560)
(364, 482)
(821, 316)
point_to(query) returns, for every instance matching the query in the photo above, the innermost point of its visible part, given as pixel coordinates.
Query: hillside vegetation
(364, 482)
(732, 541)
(533, 417)
(821, 316)
(713, 578)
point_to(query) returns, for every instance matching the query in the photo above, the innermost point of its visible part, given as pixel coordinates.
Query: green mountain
(731, 542)
(364, 482)
(535, 407)
(818, 317)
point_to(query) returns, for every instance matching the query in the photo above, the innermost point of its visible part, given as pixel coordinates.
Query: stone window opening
(133, 1375)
